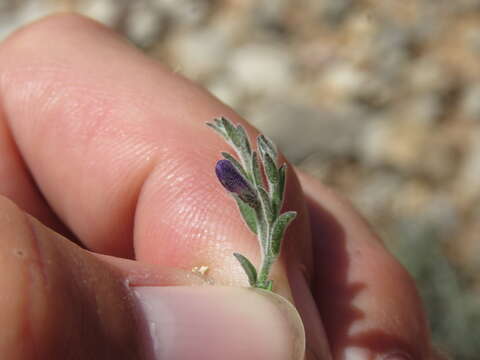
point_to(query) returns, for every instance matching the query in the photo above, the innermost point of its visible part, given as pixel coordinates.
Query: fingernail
(207, 322)
(358, 353)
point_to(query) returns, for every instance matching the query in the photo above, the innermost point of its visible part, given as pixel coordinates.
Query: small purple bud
(234, 182)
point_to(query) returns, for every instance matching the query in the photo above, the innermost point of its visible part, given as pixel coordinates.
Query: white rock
(301, 130)
(262, 69)
(225, 91)
(200, 53)
(344, 80)
(143, 23)
(184, 12)
(105, 11)
(374, 140)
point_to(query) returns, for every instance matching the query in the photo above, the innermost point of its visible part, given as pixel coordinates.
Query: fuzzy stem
(264, 271)
(263, 238)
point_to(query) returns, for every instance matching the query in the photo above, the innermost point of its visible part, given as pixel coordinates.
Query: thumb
(59, 301)
(213, 323)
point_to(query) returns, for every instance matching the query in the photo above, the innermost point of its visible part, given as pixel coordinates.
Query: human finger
(62, 302)
(368, 303)
(117, 145)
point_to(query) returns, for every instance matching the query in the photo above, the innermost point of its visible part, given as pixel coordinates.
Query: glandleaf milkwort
(260, 203)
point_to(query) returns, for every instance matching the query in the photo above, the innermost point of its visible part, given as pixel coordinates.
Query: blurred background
(378, 98)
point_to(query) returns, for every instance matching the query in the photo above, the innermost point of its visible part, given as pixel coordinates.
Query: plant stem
(267, 263)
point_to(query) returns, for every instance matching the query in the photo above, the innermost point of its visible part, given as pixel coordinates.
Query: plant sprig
(260, 203)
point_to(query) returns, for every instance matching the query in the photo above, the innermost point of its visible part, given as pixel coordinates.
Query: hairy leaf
(278, 190)
(248, 214)
(265, 202)
(218, 121)
(232, 133)
(217, 129)
(270, 170)
(257, 176)
(248, 268)
(266, 146)
(278, 230)
(242, 134)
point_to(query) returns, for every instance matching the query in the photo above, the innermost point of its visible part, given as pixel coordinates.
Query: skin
(106, 148)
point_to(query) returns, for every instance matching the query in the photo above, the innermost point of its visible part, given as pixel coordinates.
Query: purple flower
(234, 182)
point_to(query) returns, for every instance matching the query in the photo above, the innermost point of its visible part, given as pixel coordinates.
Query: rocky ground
(379, 98)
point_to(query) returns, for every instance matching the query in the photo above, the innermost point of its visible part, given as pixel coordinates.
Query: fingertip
(218, 323)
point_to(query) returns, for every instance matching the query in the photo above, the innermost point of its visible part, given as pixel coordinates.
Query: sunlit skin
(104, 147)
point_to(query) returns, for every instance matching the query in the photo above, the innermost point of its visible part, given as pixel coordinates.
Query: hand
(107, 148)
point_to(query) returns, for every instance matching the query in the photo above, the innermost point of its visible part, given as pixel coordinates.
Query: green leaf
(237, 165)
(217, 129)
(270, 170)
(257, 176)
(278, 230)
(218, 121)
(248, 268)
(266, 146)
(232, 133)
(244, 138)
(266, 206)
(279, 189)
(248, 214)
